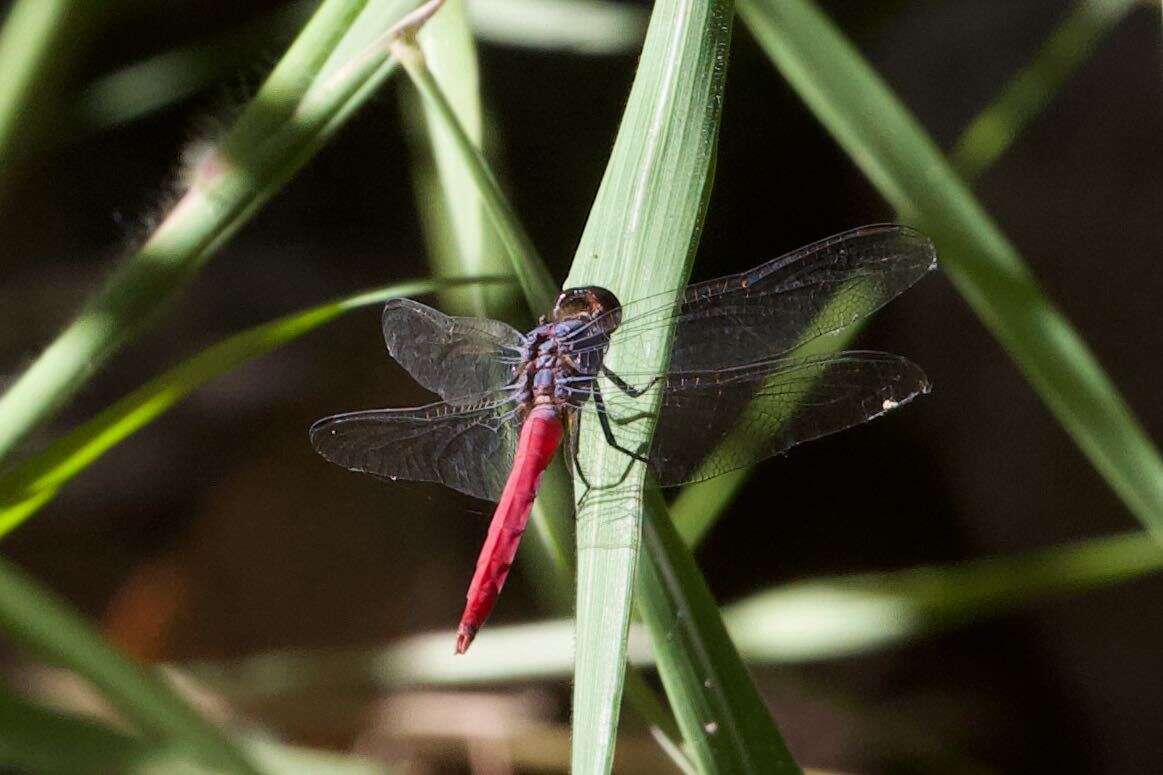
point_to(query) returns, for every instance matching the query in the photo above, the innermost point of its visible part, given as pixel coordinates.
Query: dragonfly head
(588, 303)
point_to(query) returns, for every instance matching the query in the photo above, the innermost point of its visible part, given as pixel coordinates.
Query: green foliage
(640, 239)
(29, 486)
(43, 741)
(899, 158)
(700, 505)
(45, 626)
(1067, 47)
(32, 742)
(330, 70)
(35, 34)
(465, 179)
(723, 718)
(795, 623)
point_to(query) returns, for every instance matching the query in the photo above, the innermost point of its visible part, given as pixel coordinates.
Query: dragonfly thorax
(559, 361)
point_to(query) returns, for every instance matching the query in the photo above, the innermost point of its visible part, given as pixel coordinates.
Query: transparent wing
(710, 423)
(451, 356)
(780, 305)
(467, 446)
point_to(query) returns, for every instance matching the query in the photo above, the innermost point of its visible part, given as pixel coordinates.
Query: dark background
(245, 541)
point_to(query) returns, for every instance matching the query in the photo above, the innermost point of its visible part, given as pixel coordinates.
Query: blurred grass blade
(275, 757)
(899, 158)
(153, 84)
(1070, 44)
(465, 177)
(37, 739)
(802, 621)
(721, 713)
(639, 240)
(329, 70)
(41, 740)
(581, 26)
(36, 620)
(27, 487)
(659, 718)
(36, 39)
(535, 280)
(840, 617)
(699, 506)
(461, 237)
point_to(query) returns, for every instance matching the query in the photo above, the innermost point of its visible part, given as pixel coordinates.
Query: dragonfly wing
(466, 447)
(781, 305)
(451, 356)
(710, 423)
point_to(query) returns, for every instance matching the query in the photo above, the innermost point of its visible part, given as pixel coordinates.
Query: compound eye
(563, 300)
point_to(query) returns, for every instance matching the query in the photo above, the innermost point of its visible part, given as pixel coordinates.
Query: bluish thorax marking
(563, 354)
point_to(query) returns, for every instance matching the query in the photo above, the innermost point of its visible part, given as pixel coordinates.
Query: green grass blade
(40, 740)
(33, 41)
(699, 506)
(640, 240)
(27, 487)
(904, 164)
(329, 70)
(1070, 44)
(157, 82)
(535, 280)
(297, 760)
(451, 122)
(803, 621)
(460, 232)
(849, 615)
(36, 620)
(580, 26)
(722, 716)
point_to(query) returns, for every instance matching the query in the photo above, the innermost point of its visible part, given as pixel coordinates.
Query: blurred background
(216, 533)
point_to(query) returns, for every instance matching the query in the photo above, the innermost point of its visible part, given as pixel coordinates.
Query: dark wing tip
(401, 301)
(321, 433)
(902, 231)
(923, 241)
(913, 382)
(403, 304)
(316, 433)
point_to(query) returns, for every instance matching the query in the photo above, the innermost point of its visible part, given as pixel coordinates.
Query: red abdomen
(540, 438)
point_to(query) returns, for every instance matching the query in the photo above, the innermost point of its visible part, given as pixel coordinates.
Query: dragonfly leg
(604, 421)
(620, 421)
(574, 449)
(625, 386)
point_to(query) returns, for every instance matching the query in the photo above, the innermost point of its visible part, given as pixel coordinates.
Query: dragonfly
(740, 385)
